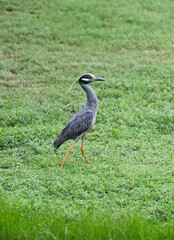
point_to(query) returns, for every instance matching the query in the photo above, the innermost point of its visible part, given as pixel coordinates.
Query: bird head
(89, 78)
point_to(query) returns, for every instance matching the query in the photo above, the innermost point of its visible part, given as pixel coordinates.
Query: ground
(45, 47)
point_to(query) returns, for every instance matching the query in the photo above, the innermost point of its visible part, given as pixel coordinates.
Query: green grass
(127, 191)
(44, 224)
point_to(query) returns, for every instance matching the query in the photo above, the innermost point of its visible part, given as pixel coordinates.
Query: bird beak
(99, 79)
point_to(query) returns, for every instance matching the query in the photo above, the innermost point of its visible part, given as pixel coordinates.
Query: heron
(81, 122)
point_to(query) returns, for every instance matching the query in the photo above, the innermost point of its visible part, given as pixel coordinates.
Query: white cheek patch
(85, 79)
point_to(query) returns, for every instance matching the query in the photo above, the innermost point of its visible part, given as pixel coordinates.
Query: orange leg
(66, 156)
(82, 150)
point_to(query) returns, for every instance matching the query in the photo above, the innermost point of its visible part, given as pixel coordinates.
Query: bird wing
(78, 125)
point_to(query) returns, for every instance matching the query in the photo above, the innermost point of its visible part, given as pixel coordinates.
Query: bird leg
(66, 156)
(83, 151)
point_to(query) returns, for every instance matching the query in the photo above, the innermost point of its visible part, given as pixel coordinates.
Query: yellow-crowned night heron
(83, 121)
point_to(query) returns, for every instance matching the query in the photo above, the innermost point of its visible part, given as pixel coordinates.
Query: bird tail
(57, 143)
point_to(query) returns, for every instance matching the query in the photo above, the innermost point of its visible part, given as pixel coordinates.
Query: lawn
(127, 190)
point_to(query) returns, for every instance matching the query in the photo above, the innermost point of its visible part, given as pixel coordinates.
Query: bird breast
(94, 119)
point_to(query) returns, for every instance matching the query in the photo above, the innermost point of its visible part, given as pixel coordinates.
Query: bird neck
(90, 93)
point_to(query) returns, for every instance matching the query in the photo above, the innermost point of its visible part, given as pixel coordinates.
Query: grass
(44, 224)
(127, 190)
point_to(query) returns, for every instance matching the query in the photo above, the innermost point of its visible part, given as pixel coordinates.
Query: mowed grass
(127, 191)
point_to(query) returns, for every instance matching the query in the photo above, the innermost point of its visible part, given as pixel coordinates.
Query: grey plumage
(76, 128)
(85, 118)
